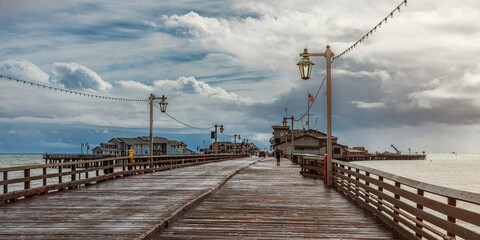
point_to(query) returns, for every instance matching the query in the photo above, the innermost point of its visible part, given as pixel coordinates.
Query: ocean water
(15, 160)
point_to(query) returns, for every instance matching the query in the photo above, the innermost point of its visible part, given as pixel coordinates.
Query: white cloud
(11, 132)
(23, 70)
(76, 76)
(203, 89)
(261, 137)
(150, 24)
(133, 85)
(368, 105)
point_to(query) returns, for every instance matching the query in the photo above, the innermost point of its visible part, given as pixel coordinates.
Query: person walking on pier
(278, 154)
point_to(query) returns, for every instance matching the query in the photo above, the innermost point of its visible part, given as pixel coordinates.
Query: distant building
(106, 149)
(305, 141)
(231, 148)
(141, 146)
(177, 148)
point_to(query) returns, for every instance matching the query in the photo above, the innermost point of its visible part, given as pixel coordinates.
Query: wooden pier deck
(267, 201)
(261, 201)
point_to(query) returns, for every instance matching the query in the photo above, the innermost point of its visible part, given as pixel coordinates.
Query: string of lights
(72, 92)
(310, 105)
(187, 125)
(374, 29)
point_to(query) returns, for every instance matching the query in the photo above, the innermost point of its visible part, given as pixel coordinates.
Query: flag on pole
(310, 98)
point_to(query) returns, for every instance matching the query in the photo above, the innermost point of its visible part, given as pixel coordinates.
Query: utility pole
(235, 143)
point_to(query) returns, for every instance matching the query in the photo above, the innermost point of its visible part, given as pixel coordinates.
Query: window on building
(336, 150)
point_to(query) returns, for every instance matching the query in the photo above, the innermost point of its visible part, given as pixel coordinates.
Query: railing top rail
(19, 168)
(431, 188)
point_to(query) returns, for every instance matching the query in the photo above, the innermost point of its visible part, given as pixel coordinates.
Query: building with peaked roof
(305, 142)
(141, 146)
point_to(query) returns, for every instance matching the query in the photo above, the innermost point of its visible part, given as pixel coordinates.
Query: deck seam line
(168, 221)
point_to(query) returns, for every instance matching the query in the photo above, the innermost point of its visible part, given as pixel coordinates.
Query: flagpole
(308, 111)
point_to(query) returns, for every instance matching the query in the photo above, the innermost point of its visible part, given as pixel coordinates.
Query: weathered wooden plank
(270, 202)
(123, 208)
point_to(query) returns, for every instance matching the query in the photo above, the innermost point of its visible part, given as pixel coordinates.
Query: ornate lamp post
(305, 65)
(163, 108)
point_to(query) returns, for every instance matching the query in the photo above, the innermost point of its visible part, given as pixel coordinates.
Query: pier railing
(26, 181)
(415, 209)
(311, 165)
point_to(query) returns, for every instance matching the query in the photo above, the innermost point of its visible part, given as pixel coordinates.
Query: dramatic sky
(415, 83)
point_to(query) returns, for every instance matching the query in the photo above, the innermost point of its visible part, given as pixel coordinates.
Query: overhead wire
(314, 98)
(226, 135)
(185, 124)
(374, 29)
(71, 91)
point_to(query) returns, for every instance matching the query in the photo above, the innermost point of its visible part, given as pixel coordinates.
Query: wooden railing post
(86, 174)
(452, 202)
(397, 184)
(73, 169)
(367, 183)
(419, 206)
(380, 178)
(26, 175)
(96, 165)
(60, 176)
(5, 178)
(73, 177)
(44, 173)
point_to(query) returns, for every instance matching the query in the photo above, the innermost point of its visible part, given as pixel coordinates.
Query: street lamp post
(293, 135)
(84, 145)
(221, 131)
(305, 65)
(235, 142)
(163, 108)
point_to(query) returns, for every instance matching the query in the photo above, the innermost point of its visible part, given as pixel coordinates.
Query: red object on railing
(325, 157)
